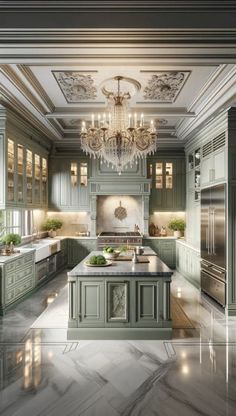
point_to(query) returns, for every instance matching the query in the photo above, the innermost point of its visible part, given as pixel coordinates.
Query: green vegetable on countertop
(108, 249)
(97, 260)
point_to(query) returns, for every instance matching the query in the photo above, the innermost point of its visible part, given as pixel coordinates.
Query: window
(83, 174)
(19, 222)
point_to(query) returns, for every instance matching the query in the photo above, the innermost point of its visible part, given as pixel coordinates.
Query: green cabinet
(188, 262)
(68, 184)
(167, 174)
(91, 309)
(17, 278)
(78, 249)
(24, 173)
(165, 249)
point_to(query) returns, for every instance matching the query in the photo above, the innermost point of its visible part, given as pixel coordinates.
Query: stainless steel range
(131, 238)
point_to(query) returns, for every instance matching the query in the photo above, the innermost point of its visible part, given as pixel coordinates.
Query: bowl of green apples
(110, 253)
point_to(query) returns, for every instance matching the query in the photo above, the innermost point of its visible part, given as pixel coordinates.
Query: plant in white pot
(52, 225)
(178, 226)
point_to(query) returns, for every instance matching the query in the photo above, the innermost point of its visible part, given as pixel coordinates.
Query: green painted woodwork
(17, 278)
(64, 194)
(188, 262)
(18, 189)
(91, 311)
(164, 248)
(167, 199)
(128, 308)
(79, 249)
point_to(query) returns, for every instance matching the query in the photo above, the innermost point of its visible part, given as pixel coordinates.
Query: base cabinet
(137, 304)
(188, 263)
(17, 278)
(165, 249)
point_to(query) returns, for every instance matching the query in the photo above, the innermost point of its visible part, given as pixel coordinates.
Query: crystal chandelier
(118, 137)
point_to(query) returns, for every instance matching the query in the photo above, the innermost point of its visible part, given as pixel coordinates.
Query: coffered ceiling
(57, 78)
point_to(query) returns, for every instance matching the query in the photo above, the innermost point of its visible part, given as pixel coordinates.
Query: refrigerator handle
(209, 233)
(207, 239)
(213, 231)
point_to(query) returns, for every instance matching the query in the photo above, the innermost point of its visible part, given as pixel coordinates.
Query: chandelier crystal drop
(118, 137)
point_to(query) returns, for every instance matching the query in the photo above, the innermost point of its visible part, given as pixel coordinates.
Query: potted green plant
(52, 225)
(11, 240)
(178, 226)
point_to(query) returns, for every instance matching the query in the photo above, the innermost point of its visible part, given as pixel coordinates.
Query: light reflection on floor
(43, 374)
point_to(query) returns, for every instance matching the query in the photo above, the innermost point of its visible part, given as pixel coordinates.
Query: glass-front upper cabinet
(169, 175)
(44, 180)
(83, 174)
(37, 178)
(10, 170)
(29, 176)
(20, 173)
(163, 175)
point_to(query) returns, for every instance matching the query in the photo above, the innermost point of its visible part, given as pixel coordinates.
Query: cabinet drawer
(23, 287)
(9, 296)
(9, 279)
(10, 267)
(19, 262)
(28, 258)
(21, 274)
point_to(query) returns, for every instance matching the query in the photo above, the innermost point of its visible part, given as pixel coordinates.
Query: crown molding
(9, 101)
(221, 98)
(8, 72)
(91, 5)
(125, 35)
(30, 77)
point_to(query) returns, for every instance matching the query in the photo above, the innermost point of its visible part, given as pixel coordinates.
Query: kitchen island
(123, 301)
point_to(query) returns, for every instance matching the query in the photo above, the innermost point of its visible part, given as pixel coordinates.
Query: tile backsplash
(73, 222)
(108, 206)
(162, 219)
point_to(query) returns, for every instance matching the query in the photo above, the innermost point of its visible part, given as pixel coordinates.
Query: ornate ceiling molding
(164, 87)
(76, 86)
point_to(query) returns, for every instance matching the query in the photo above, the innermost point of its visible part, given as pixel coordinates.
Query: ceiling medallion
(165, 86)
(75, 86)
(118, 137)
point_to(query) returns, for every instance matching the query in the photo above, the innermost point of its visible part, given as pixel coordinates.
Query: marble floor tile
(43, 374)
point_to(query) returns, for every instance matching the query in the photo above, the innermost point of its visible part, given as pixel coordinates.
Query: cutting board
(141, 259)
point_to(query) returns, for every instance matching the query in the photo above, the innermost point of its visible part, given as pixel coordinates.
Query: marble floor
(42, 374)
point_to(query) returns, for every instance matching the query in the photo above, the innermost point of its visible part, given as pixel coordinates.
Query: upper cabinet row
(167, 176)
(68, 184)
(24, 172)
(207, 165)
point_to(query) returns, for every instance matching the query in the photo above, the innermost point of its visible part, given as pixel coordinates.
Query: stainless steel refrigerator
(213, 242)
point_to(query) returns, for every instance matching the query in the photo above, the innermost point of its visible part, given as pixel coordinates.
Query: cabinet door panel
(117, 302)
(92, 303)
(206, 168)
(219, 161)
(146, 303)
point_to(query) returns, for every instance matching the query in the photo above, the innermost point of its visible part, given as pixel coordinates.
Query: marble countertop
(169, 237)
(155, 268)
(22, 251)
